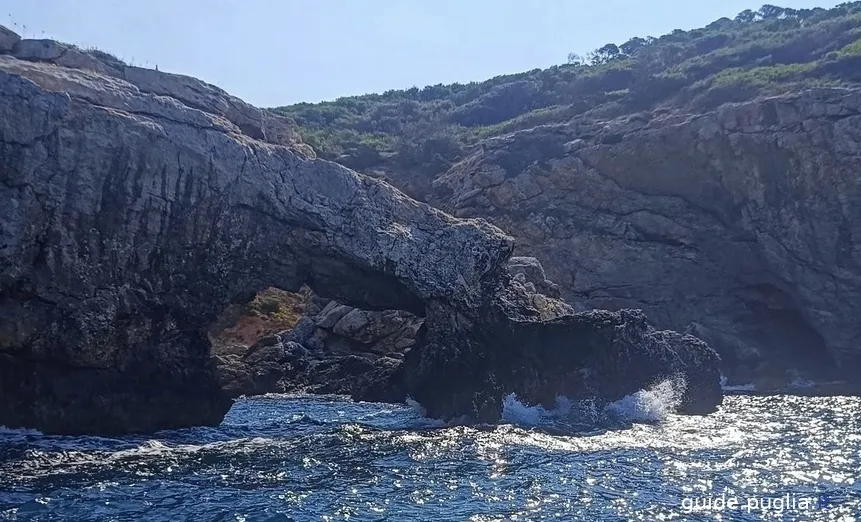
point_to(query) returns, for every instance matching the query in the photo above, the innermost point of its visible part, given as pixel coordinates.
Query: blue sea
(324, 458)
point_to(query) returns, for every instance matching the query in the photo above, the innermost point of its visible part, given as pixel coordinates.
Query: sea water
(283, 458)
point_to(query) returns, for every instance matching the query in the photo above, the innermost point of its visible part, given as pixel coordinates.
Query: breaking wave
(735, 388)
(650, 405)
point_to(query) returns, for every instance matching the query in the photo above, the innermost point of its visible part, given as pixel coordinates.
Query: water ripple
(325, 458)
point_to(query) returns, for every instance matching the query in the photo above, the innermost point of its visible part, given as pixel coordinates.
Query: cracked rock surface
(135, 210)
(742, 225)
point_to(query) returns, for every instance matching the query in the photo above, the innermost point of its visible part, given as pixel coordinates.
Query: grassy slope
(422, 131)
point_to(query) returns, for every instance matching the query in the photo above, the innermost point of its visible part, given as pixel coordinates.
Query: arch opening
(281, 341)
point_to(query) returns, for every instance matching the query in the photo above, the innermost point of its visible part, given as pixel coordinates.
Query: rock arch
(132, 219)
(132, 216)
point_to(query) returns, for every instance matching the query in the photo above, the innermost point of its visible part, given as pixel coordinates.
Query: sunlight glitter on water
(315, 458)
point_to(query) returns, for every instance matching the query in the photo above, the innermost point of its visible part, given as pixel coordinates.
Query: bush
(764, 51)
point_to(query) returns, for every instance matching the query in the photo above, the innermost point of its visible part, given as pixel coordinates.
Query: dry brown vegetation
(240, 325)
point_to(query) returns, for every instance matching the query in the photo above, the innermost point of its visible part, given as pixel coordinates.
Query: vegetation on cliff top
(760, 52)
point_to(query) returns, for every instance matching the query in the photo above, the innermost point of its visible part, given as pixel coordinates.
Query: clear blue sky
(277, 52)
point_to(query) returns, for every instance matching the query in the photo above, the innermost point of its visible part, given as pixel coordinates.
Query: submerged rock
(135, 212)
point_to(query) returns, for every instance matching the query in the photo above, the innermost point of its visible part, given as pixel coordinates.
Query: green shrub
(764, 51)
(853, 49)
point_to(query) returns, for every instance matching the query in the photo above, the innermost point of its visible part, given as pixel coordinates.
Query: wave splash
(650, 405)
(654, 404)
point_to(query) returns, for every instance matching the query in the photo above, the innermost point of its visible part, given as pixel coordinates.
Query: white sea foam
(516, 412)
(4, 431)
(750, 387)
(420, 418)
(564, 409)
(735, 387)
(653, 404)
(801, 383)
(414, 405)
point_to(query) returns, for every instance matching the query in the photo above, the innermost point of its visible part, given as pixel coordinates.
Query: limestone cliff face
(130, 219)
(137, 205)
(742, 225)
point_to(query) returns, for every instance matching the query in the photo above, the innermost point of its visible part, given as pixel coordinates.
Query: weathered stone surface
(742, 225)
(324, 346)
(372, 328)
(281, 131)
(538, 351)
(288, 366)
(533, 274)
(60, 54)
(264, 369)
(8, 39)
(256, 123)
(131, 218)
(303, 331)
(40, 50)
(331, 314)
(542, 353)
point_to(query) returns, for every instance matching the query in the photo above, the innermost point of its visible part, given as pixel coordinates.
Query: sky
(278, 52)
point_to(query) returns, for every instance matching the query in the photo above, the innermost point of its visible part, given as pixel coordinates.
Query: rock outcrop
(741, 226)
(529, 271)
(136, 210)
(341, 328)
(8, 39)
(539, 349)
(257, 123)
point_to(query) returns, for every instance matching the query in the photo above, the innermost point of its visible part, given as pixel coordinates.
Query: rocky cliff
(741, 225)
(707, 176)
(138, 204)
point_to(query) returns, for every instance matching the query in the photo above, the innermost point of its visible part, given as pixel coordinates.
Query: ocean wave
(653, 404)
(18, 432)
(735, 388)
(375, 461)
